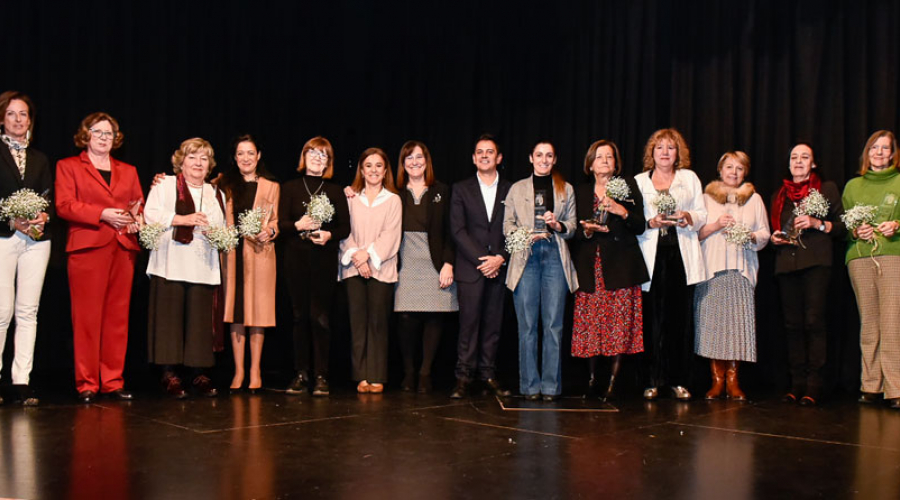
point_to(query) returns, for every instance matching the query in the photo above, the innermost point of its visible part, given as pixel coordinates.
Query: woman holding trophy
(803, 269)
(608, 317)
(313, 218)
(674, 209)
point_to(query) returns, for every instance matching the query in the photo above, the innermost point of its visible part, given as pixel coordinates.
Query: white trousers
(23, 263)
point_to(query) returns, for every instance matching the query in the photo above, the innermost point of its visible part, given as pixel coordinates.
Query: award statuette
(600, 216)
(540, 208)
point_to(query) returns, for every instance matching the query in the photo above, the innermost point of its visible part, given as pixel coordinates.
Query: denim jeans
(542, 290)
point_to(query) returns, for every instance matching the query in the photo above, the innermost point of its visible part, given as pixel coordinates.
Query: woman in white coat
(674, 210)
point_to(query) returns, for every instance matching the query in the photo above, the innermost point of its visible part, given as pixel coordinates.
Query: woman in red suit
(99, 197)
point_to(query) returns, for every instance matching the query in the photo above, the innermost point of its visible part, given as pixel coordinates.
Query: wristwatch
(821, 227)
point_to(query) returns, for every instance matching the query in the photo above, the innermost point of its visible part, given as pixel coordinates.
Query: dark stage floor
(406, 446)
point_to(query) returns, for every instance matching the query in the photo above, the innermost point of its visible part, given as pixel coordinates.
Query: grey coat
(519, 212)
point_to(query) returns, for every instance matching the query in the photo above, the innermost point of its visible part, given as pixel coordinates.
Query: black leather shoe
(807, 401)
(298, 385)
(25, 395)
(204, 386)
(173, 386)
(894, 404)
(121, 395)
(868, 398)
(533, 397)
(551, 397)
(459, 391)
(86, 397)
(321, 387)
(494, 386)
(424, 384)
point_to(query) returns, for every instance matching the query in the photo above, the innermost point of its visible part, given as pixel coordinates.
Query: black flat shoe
(321, 387)
(25, 395)
(532, 397)
(86, 397)
(894, 403)
(492, 385)
(459, 391)
(232, 391)
(549, 398)
(868, 398)
(121, 395)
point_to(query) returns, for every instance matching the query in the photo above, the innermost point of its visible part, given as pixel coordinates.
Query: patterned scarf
(17, 150)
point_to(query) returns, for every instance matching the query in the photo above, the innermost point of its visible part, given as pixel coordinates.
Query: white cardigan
(688, 192)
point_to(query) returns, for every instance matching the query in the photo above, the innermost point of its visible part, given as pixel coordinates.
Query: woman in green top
(873, 259)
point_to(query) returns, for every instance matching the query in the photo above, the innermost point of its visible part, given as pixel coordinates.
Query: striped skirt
(724, 318)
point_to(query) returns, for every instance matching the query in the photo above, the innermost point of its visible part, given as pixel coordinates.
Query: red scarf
(794, 191)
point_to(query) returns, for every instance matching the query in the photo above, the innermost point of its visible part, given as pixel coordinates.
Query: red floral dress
(607, 322)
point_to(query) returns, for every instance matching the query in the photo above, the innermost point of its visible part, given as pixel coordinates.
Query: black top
(38, 178)
(107, 176)
(819, 249)
(292, 206)
(433, 216)
(623, 262)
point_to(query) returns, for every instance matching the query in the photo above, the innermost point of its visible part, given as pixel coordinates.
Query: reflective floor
(407, 446)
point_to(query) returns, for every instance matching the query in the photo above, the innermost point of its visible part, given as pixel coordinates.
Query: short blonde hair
(739, 156)
(684, 154)
(191, 146)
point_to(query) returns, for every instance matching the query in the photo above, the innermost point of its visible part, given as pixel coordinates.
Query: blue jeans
(542, 290)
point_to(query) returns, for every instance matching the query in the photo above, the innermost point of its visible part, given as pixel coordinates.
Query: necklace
(321, 183)
(189, 183)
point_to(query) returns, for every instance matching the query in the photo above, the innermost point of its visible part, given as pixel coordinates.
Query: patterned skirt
(607, 322)
(418, 284)
(724, 319)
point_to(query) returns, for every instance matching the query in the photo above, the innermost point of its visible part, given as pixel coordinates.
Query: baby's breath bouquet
(23, 204)
(150, 234)
(665, 204)
(250, 222)
(617, 189)
(814, 205)
(320, 208)
(738, 234)
(223, 238)
(518, 240)
(859, 215)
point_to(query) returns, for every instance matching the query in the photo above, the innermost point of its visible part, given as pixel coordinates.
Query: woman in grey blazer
(540, 276)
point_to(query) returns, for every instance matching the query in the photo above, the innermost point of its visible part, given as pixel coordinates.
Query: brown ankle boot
(717, 366)
(731, 382)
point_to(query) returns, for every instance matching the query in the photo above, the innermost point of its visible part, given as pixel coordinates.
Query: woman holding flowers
(100, 197)
(313, 219)
(184, 268)
(368, 266)
(252, 205)
(805, 217)
(724, 306)
(24, 251)
(674, 209)
(609, 320)
(873, 259)
(541, 274)
(425, 285)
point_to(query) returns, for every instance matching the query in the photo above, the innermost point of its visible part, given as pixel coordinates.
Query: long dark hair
(232, 180)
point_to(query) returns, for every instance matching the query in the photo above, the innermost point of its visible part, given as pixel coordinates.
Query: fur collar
(718, 191)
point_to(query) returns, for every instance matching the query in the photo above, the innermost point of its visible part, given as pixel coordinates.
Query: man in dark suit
(476, 222)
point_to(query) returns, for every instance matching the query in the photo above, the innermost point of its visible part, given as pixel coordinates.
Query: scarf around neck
(794, 191)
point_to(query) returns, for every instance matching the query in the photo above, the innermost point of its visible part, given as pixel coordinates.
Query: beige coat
(519, 212)
(259, 264)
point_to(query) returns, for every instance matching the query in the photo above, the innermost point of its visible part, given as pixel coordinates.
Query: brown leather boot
(731, 382)
(718, 379)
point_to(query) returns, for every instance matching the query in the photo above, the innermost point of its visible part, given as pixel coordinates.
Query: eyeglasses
(102, 134)
(318, 153)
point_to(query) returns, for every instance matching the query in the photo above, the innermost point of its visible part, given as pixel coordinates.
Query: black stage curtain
(751, 75)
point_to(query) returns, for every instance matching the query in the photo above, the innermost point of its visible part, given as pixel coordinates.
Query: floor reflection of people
(249, 463)
(99, 465)
(723, 464)
(876, 468)
(19, 475)
(539, 454)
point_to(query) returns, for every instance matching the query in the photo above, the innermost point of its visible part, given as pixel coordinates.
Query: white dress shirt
(489, 193)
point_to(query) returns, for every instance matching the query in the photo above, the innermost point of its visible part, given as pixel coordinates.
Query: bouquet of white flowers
(859, 215)
(617, 189)
(320, 208)
(665, 204)
(738, 234)
(250, 222)
(149, 235)
(814, 204)
(23, 204)
(518, 240)
(223, 238)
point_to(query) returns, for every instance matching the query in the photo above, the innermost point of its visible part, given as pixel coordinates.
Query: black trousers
(180, 327)
(803, 300)
(369, 302)
(411, 326)
(668, 306)
(311, 301)
(480, 321)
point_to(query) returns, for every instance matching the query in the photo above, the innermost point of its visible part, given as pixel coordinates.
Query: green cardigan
(882, 190)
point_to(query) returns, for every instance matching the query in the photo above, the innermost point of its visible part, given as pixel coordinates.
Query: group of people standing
(657, 247)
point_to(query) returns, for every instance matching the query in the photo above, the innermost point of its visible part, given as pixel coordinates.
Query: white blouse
(197, 261)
